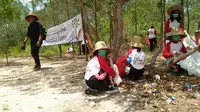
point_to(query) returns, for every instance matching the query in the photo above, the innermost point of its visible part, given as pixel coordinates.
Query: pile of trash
(165, 90)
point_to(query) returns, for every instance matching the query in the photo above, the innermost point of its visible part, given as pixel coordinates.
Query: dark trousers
(83, 49)
(135, 74)
(35, 54)
(177, 69)
(96, 84)
(153, 43)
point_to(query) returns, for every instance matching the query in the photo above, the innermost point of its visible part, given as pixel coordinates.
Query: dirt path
(59, 87)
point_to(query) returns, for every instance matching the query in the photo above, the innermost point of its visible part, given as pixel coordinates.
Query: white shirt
(70, 50)
(175, 46)
(92, 68)
(83, 42)
(175, 24)
(138, 59)
(151, 33)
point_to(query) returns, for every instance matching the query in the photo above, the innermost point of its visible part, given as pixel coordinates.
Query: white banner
(67, 32)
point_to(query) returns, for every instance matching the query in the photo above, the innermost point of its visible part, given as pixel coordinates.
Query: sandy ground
(59, 87)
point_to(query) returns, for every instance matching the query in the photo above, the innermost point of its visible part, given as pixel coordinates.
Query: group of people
(100, 73)
(175, 36)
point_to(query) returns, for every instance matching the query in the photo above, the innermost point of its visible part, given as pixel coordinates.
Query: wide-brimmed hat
(31, 14)
(174, 7)
(175, 32)
(100, 45)
(136, 42)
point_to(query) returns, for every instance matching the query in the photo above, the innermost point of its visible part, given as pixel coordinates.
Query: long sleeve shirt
(173, 46)
(170, 25)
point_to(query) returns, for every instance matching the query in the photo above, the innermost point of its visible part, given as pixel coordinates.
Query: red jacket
(168, 29)
(167, 50)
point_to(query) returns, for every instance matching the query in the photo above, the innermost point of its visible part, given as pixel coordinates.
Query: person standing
(34, 33)
(152, 37)
(83, 47)
(174, 22)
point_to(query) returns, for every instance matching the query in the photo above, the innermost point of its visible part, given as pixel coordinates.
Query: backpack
(44, 33)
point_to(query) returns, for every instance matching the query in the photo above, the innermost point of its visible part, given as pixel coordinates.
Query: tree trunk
(117, 39)
(86, 19)
(55, 21)
(111, 28)
(7, 63)
(164, 42)
(95, 16)
(135, 17)
(153, 60)
(86, 54)
(182, 3)
(188, 15)
(67, 7)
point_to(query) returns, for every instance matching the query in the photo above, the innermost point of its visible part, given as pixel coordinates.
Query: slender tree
(188, 16)
(95, 16)
(182, 3)
(135, 12)
(161, 5)
(55, 20)
(67, 7)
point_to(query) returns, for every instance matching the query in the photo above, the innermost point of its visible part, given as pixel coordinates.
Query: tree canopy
(137, 16)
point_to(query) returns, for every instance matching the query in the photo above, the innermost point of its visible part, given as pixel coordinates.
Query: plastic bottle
(5, 106)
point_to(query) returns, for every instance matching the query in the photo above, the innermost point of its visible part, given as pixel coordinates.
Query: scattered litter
(92, 104)
(172, 98)
(189, 87)
(40, 107)
(157, 77)
(5, 106)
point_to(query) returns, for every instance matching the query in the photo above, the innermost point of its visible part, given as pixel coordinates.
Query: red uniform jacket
(168, 29)
(173, 46)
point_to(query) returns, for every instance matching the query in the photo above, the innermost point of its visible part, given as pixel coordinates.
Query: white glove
(127, 69)
(176, 53)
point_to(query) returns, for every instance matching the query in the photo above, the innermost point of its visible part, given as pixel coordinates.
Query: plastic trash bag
(116, 79)
(192, 62)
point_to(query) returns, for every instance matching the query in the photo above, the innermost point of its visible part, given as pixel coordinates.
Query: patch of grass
(44, 50)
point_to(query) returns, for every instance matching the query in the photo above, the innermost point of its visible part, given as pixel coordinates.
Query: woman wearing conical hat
(174, 22)
(99, 74)
(136, 58)
(174, 48)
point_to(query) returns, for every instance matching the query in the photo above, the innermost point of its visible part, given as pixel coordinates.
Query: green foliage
(13, 27)
(7, 10)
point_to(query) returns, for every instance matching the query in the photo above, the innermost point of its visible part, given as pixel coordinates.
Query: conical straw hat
(31, 14)
(100, 45)
(136, 42)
